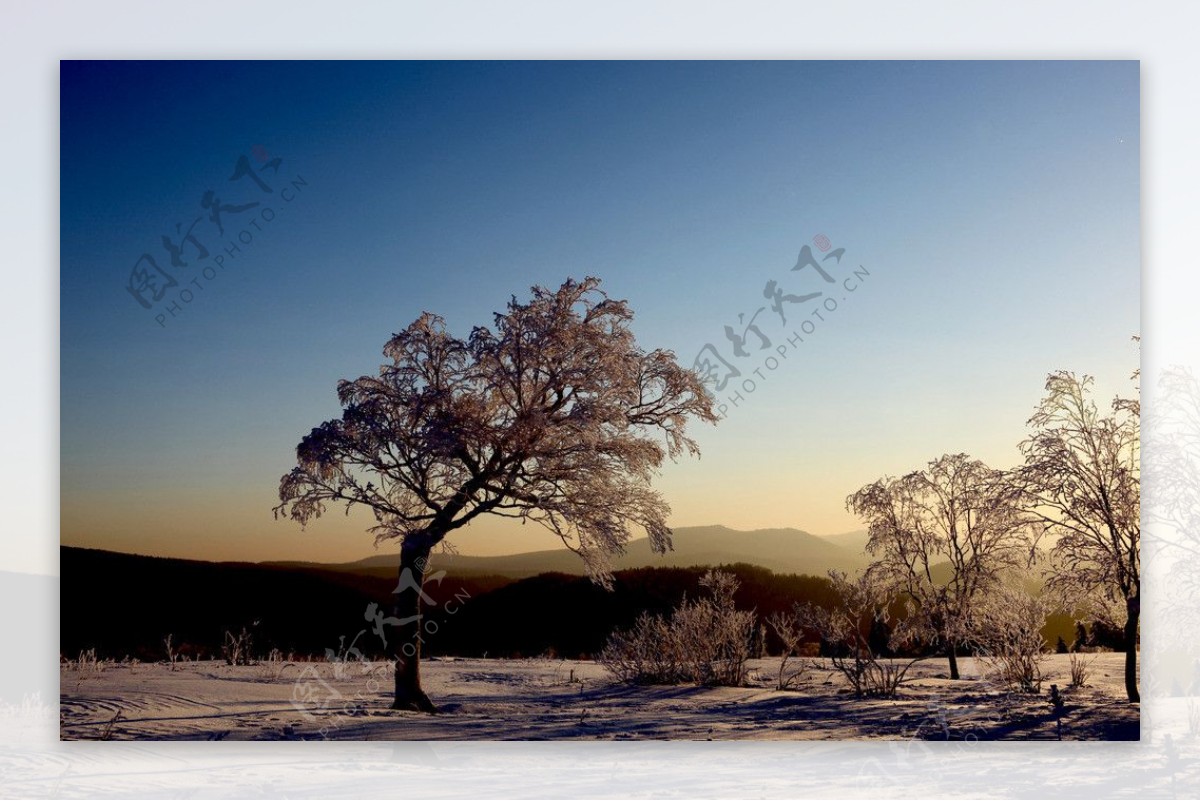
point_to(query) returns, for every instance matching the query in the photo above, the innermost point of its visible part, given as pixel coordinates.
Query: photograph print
(600, 400)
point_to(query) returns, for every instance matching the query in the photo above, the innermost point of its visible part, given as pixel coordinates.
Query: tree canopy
(553, 415)
(944, 536)
(1082, 481)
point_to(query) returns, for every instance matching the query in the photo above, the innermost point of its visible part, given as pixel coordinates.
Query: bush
(644, 654)
(236, 649)
(790, 634)
(852, 629)
(172, 651)
(1007, 630)
(706, 641)
(1080, 669)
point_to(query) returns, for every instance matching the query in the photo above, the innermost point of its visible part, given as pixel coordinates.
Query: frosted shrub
(88, 663)
(236, 648)
(1008, 635)
(172, 653)
(720, 634)
(706, 641)
(1081, 668)
(789, 631)
(846, 628)
(644, 654)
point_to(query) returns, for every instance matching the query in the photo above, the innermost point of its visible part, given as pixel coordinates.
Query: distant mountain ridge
(783, 550)
(854, 540)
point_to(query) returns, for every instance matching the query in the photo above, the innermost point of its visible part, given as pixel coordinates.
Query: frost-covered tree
(944, 537)
(553, 415)
(846, 628)
(1082, 480)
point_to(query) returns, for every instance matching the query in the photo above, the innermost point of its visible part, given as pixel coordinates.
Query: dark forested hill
(124, 605)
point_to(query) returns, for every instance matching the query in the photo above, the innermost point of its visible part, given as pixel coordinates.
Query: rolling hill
(855, 541)
(125, 605)
(784, 550)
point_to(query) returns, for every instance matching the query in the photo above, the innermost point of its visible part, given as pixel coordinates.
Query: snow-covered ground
(491, 699)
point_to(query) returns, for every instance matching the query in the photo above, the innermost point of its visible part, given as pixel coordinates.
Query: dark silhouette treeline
(570, 617)
(124, 605)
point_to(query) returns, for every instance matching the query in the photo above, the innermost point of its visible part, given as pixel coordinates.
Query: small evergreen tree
(1081, 637)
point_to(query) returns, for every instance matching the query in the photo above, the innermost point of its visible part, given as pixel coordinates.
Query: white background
(35, 36)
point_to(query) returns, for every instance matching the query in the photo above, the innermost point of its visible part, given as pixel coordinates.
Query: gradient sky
(994, 204)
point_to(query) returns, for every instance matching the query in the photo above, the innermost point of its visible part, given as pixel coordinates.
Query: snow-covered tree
(846, 628)
(553, 415)
(944, 537)
(1082, 480)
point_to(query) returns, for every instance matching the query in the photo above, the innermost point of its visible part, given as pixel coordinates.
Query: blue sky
(995, 206)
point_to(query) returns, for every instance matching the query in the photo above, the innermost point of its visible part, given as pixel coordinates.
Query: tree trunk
(1133, 609)
(953, 661)
(409, 695)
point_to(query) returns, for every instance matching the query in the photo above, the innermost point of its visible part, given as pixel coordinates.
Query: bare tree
(554, 415)
(944, 536)
(1082, 479)
(846, 628)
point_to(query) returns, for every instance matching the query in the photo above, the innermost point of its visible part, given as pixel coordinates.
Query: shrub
(646, 653)
(791, 634)
(236, 649)
(1007, 630)
(851, 630)
(88, 663)
(1080, 669)
(172, 653)
(706, 641)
